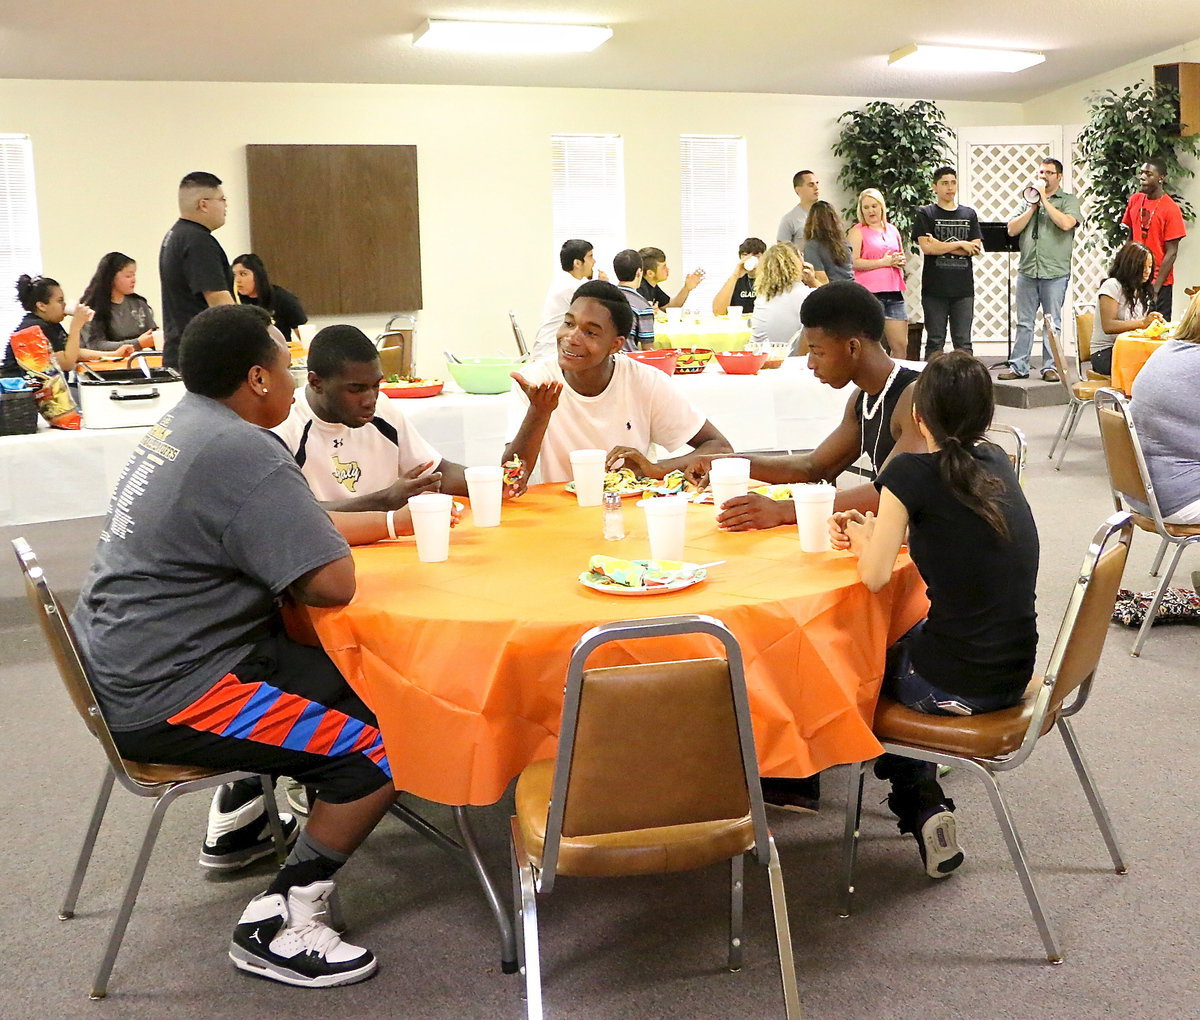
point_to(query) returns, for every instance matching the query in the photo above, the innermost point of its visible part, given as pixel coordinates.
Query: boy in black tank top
(843, 328)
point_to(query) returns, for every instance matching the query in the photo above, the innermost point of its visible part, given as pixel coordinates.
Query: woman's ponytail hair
(954, 397)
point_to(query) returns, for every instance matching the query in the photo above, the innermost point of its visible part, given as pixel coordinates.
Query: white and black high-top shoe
(286, 940)
(242, 836)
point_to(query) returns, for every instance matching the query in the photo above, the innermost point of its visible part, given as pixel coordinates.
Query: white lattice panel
(1089, 262)
(998, 173)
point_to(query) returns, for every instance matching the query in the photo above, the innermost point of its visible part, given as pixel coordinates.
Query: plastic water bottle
(614, 517)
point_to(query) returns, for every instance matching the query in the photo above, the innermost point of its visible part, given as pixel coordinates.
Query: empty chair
(988, 744)
(656, 772)
(1133, 489)
(162, 783)
(1079, 393)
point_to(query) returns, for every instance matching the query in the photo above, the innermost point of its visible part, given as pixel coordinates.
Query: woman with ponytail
(972, 536)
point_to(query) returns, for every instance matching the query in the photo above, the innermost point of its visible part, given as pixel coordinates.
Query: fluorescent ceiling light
(509, 37)
(963, 58)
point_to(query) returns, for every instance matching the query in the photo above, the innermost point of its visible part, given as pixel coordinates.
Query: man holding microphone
(1047, 232)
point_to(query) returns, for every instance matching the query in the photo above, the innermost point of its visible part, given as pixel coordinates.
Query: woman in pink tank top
(878, 255)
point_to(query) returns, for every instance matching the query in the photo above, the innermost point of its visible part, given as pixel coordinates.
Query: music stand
(996, 238)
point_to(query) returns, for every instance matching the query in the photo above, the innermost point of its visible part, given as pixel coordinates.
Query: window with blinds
(714, 210)
(589, 194)
(20, 244)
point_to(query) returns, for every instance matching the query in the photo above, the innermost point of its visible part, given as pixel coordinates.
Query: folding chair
(165, 784)
(1132, 487)
(656, 772)
(1079, 393)
(522, 348)
(1012, 440)
(994, 742)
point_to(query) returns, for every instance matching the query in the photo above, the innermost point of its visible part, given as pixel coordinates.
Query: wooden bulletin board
(338, 225)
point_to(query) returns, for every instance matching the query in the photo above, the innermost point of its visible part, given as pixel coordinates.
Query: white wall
(108, 156)
(1069, 106)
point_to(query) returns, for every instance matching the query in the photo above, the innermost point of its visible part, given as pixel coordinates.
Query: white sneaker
(937, 839)
(242, 836)
(287, 940)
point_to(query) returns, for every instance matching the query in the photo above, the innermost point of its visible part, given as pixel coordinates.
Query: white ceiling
(787, 46)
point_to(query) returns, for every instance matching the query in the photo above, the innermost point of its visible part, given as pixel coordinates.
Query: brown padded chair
(164, 783)
(655, 772)
(1132, 486)
(1079, 393)
(985, 745)
(1084, 324)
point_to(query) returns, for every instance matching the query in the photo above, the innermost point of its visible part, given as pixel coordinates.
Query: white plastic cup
(485, 487)
(814, 507)
(587, 468)
(729, 477)
(666, 523)
(735, 317)
(431, 523)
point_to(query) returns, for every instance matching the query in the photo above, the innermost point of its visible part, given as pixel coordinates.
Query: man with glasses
(192, 266)
(1047, 232)
(1153, 219)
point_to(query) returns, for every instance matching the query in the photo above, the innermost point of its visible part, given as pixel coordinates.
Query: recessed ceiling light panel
(509, 37)
(963, 58)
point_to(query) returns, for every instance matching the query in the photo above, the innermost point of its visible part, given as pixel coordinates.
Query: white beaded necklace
(869, 413)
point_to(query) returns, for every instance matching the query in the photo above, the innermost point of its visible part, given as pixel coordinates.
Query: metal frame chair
(163, 783)
(995, 742)
(1002, 434)
(522, 347)
(1130, 481)
(655, 772)
(1080, 393)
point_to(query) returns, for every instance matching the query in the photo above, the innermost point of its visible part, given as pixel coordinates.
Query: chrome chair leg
(67, 910)
(117, 935)
(526, 906)
(272, 808)
(1158, 557)
(508, 945)
(1076, 412)
(518, 929)
(737, 885)
(1152, 610)
(1061, 427)
(1093, 795)
(783, 934)
(1017, 851)
(854, 796)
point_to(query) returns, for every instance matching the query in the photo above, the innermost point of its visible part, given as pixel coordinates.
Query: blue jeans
(1032, 294)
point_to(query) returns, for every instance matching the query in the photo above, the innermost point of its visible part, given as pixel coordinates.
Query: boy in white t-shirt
(354, 448)
(592, 397)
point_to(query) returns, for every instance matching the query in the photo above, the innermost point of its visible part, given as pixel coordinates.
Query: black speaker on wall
(1186, 79)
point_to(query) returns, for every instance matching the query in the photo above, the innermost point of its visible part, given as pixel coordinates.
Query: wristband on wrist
(391, 523)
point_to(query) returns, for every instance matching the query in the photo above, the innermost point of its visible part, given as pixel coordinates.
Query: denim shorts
(904, 684)
(893, 304)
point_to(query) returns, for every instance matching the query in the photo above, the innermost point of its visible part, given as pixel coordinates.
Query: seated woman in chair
(972, 536)
(1164, 411)
(593, 397)
(1125, 302)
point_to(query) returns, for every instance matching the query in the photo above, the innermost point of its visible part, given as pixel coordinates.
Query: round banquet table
(716, 333)
(464, 661)
(1129, 355)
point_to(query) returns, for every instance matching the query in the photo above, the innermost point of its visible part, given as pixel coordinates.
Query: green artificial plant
(1124, 130)
(895, 149)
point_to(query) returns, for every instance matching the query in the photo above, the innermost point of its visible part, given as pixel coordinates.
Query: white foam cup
(431, 523)
(485, 487)
(587, 467)
(729, 477)
(666, 523)
(814, 507)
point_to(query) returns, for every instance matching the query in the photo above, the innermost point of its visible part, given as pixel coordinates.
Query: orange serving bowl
(742, 362)
(664, 361)
(692, 360)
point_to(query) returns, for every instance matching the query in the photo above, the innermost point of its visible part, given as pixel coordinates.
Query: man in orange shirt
(1153, 219)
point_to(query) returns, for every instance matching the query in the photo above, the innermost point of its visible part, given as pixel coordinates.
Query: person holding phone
(877, 254)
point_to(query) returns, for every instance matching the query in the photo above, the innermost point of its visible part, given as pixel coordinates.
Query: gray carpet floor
(964, 947)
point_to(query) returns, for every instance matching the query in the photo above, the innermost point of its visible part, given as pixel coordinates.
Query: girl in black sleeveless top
(972, 536)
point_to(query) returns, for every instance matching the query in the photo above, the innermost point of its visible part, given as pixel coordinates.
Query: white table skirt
(56, 475)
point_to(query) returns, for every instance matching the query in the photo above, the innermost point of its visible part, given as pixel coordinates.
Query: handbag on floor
(1178, 605)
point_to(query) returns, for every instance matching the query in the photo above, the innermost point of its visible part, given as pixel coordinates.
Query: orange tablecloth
(464, 661)
(1129, 355)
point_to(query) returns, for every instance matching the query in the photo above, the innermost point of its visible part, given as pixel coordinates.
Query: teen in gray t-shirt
(192, 558)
